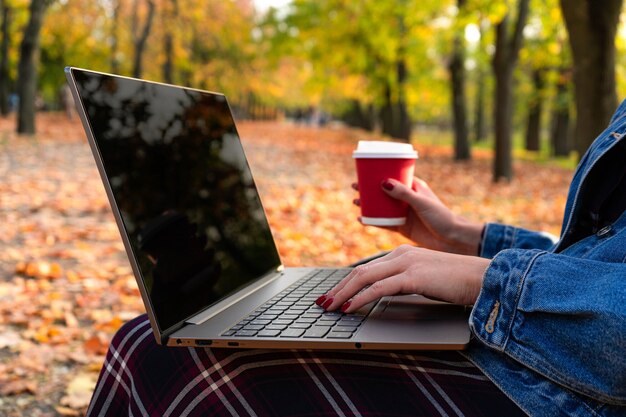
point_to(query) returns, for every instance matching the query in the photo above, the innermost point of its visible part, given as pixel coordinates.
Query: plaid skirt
(141, 378)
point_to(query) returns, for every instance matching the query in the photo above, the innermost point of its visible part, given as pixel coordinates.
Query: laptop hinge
(239, 295)
(165, 336)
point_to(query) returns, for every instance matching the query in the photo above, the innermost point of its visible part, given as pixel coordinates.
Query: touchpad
(414, 307)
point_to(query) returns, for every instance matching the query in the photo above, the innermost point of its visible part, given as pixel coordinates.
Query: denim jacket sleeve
(497, 237)
(539, 308)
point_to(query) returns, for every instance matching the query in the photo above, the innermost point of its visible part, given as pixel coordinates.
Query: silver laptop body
(198, 240)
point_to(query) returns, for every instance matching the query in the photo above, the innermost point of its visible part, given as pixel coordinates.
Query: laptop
(198, 239)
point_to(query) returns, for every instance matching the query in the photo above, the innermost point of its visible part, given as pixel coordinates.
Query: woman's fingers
(421, 186)
(389, 228)
(385, 287)
(409, 270)
(361, 277)
(418, 195)
(417, 185)
(420, 199)
(355, 272)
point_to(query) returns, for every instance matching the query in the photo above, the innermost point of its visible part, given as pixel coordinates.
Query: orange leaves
(17, 386)
(96, 344)
(66, 285)
(304, 175)
(78, 393)
(48, 334)
(39, 269)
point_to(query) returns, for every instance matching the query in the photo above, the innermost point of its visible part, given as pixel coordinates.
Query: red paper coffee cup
(375, 162)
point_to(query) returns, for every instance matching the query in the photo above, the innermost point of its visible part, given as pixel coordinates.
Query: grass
(439, 137)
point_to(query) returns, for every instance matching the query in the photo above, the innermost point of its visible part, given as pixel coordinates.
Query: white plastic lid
(380, 149)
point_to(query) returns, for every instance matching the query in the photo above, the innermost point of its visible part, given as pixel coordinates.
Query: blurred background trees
(592, 29)
(516, 75)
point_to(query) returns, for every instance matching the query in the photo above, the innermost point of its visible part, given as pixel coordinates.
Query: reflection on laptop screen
(181, 182)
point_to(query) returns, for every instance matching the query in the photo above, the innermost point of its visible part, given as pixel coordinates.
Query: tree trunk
(504, 62)
(561, 145)
(533, 128)
(357, 116)
(535, 107)
(560, 135)
(386, 112)
(394, 114)
(27, 68)
(168, 65)
(169, 18)
(5, 15)
(141, 38)
(592, 29)
(115, 22)
(503, 124)
(459, 107)
(402, 113)
(479, 121)
(480, 132)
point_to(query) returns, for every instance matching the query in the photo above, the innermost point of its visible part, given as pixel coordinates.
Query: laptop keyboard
(293, 313)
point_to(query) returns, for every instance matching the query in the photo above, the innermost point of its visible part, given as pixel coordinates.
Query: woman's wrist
(477, 275)
(467, 236)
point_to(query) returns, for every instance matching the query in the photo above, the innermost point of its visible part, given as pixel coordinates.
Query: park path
(65, 282)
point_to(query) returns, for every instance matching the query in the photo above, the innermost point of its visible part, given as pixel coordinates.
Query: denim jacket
(549, 325)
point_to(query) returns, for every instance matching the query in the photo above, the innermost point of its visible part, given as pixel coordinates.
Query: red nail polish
(387, 185)
(328, 302)
(345, 306)
(320, 300)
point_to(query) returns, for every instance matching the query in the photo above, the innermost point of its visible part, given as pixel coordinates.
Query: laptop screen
(181, 182)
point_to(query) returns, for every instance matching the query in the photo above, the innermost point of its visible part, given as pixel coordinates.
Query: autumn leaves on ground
(65, 282)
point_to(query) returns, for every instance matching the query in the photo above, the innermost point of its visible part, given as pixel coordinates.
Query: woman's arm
(430, 224)
(561, 316)
(409, 270)
(497, 237)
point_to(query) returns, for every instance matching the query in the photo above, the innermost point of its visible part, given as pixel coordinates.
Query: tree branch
(518, 32)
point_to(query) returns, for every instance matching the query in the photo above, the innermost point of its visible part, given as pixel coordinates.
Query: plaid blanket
(141, 378)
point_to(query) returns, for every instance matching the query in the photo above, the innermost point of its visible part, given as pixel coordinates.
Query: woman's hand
(430, 223)
(409, 270)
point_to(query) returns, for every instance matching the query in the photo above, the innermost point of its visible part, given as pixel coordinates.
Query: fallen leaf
(66, 411)
(79, 391)
(16, 387)
(96, 345)
(9, 339)
(70, 319)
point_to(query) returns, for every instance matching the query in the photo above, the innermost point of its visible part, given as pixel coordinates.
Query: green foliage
(18, 19)
(325, 53)
(354, 47)
(68, 32)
